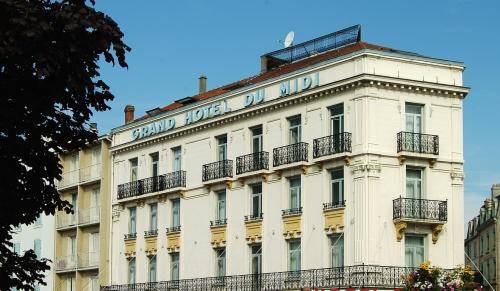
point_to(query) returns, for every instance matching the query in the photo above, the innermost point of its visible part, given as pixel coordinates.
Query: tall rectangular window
(72, 249)
(94, 204)
(256, 259)
(257, 140)
(337, 190)
(74, 198)
(295, 185)
(94, 283)
(131, 271)
(176, 212)
(337, 119)
(152, 269)
(413, 113)
(94, 248)
(337, 250)
(37, 247)
(413, 183)
(174, 266)
(256, 200)
(222, 147)
(221, 204)
(132, 222)
(220, 262)
(177, 157)
(295, 129)
(153, 216)
(71, 283)
(414, 250)
(133, 169)
(294, 255)
(154, 163)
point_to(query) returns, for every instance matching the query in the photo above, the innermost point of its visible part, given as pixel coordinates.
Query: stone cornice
(359, 81)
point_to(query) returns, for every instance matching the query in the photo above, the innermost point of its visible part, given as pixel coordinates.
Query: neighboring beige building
(482, 239)
(338, 165)
(81, 239)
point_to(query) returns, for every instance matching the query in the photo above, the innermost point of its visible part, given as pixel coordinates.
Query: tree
(50, 53)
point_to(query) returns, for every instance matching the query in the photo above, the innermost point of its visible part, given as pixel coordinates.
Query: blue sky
(173, 42)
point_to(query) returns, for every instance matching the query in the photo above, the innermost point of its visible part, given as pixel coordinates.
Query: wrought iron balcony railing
(359, 276)
(152, 184)
(332, 144)
(132, 235)
(217, 170)
(151, 232)
(297, 152)
(65, 220)
(252, 162)
(88, 259)
(65, 263)
(70, 178)
(334, 205)
(418, 143)
(174, 229)
(218, 222)
(420, 209)
(291, 211)
(252, 217)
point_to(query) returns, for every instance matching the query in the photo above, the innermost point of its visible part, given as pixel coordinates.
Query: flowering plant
(431, 278)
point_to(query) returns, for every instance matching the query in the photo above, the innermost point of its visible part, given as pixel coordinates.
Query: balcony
(334, 216)
(90, 174)
(130, 236)
(419, 211)
(218, 222)
(291, 211)
(150, 233)
(417, 145)
(328, 147)
(65, 221)
(65, 264)
(218, 229)
(253, 225)
(130, 248)
(173, 238)
(163, 183)
(88, 260)
(253, 217)
(88, 216)
(150, 242)
(221, 171)
(290, 155)
(292, 222)
(69, 179)
(252, 164)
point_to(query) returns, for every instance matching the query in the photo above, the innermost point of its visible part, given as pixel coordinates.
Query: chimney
(129, 113)
(93, 127)
(203, 84)
(263, 64)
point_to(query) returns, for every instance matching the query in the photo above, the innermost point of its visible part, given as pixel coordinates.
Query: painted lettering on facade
(153, 128)
(298, 85)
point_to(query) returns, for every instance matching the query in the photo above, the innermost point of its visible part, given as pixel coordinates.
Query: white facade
(38, 237)
(376, 88)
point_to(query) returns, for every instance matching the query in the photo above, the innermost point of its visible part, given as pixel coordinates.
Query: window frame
(337, 116)
(292, 127)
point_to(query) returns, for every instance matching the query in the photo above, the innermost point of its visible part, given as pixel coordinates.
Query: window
(176, 152)
(220, 262)
(337, 250)
(72, 249)
(487, 249)
(152, 269)
(256, 259)
(337, 177)
(413, 183)
(94, 248)
(94, 204)
(295, 129)
(37, 247)
(133, 169)
(413, 117)
(93, 283)
(132, 222)
(414, 250)
(256, 200)
(221, 204)
(70, 284)
(176, 212)
(154, 163)
(131, 271)
(295, 193)
(222, 147)
(294, 255)
(153, 216)
(174, 266)
(257, 141)
(74, 197)
(337, 119)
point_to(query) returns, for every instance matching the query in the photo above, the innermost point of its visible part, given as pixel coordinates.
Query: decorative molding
(373, 168)
(400, 229)
(436, 230)
(117, 209)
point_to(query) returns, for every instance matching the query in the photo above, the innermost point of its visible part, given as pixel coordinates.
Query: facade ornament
(117, 209)
(400, 229)
(436, 230)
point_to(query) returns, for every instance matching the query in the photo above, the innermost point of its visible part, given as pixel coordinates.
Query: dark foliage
(49, 85)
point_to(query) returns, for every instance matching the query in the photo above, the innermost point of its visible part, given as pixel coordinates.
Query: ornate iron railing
(297, 152)
(420, 209)
(254, 217)
(252, 162)
(151, 232)
(152, 184)
(333, 205)
(218, 222)
(332, 144)
(358, 276)
(128, 236)
(174, 229)
(217, 170)
(291, 211)
(418, 143)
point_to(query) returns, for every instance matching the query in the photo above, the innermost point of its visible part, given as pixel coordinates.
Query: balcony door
(413, 207)
(295, 130)
(413, 117)
(256, 259)
(221, 205)
(257, 141)
(337, 119)
(295, 193)
(414, 250)
(93, 248)
(222, 148)
(337, 180)
(94, 205)
(71, 251)
(256, 200)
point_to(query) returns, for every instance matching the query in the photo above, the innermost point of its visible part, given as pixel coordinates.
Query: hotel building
(80, 263)
(338, 165)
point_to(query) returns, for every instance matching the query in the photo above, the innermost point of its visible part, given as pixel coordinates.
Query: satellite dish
(289, 39)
